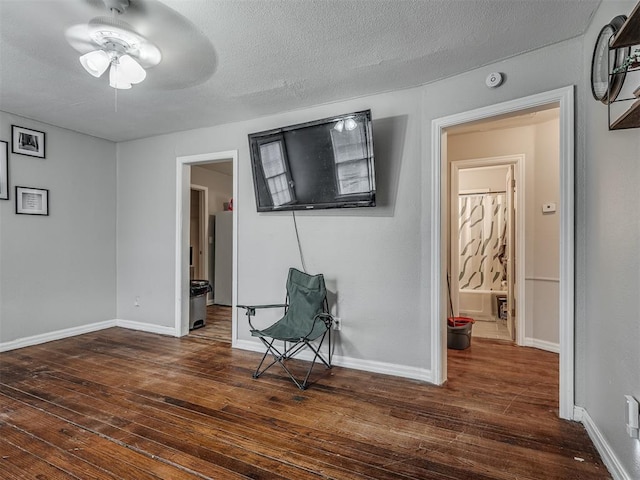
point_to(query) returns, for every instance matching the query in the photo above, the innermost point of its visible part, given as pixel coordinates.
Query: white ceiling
(230, 60)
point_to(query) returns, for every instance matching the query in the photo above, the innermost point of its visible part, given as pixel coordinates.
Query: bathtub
(479, 304)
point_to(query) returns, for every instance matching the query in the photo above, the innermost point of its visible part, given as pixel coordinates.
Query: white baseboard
(413, 373)
(542, 345)
(57, 335)
(146, 327)
(616, 469)
(92, 327)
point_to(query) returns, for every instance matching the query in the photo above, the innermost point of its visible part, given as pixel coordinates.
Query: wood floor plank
(166, 407)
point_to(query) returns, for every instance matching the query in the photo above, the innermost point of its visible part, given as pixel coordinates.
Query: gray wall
(609, 242)
(370, 262)
(58, 272)
(376, 261)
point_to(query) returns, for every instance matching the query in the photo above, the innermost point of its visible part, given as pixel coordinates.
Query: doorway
(488, 242)
(562, 98)
(225, 162)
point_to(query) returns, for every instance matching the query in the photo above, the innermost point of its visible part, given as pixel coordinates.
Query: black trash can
(198, 303)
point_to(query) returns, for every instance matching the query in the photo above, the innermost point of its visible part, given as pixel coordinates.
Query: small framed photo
(27, 142)
(32, 201)
(4, 170)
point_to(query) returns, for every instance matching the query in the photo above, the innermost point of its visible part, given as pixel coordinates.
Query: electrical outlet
(337, 323)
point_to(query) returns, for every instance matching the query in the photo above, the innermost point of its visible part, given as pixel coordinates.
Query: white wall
(544, 285)
(540, 145)
(492, 178)
(58, 272)
(608, 238)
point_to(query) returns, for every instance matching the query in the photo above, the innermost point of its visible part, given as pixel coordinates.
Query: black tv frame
(367, 199)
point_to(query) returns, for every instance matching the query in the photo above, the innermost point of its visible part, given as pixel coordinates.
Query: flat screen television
(326, 163)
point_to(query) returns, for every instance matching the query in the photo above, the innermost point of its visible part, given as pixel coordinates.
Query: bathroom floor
(491, 329)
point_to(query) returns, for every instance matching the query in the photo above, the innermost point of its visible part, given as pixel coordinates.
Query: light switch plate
(548, 207)
(632, 414)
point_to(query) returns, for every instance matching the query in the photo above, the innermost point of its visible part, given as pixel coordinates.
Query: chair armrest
(251, 310)
(327, 318)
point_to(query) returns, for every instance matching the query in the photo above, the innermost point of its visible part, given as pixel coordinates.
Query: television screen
(326, 163)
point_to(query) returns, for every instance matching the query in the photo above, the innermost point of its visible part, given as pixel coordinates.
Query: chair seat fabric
(306, 294)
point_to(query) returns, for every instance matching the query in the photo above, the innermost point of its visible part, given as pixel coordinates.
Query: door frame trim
(183, 182)
(564, 97)
(502, 161)
(203, 231)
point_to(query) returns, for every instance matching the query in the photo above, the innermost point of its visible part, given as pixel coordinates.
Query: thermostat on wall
(494, 79)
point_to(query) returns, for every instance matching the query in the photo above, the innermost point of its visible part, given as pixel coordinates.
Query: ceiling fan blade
(188, 57)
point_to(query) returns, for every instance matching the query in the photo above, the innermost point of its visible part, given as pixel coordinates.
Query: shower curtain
(482, 233)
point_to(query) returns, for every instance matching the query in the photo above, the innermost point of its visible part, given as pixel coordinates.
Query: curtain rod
(481, 193)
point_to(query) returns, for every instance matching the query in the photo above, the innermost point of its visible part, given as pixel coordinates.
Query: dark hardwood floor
(122, 404)
(218, 324)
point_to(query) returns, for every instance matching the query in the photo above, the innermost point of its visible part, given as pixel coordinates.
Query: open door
(511, 251)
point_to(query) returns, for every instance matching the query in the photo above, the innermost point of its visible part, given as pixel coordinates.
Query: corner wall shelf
(627, 36)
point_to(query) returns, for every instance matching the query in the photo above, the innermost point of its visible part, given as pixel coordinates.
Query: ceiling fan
(115, 43)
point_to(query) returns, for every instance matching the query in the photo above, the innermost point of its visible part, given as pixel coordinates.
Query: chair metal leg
(290, 351)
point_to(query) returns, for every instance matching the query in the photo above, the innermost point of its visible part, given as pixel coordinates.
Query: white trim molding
(541, 344)
(413, 373)
(145, 327)
(92, 327)
(436, 261)
(56, 335)
(615, 467)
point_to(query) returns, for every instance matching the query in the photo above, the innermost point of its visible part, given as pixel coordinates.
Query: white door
(511, 252)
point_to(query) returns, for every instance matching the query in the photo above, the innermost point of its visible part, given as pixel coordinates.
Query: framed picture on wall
(32, 201)
(27, 142)
(4, 170)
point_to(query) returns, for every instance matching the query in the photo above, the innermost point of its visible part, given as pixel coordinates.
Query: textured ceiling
(230, 60)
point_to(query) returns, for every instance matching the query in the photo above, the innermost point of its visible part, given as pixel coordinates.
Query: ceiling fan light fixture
(117, 79)
(95, 62)
(130, 70)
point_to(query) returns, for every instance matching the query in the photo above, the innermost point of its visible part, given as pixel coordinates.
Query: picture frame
(25, 141)
(32, 201)
(4, 170)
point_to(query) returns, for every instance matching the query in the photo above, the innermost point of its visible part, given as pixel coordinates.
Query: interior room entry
(483, 244)
(188, 170)
(214, 214)
(549, 257)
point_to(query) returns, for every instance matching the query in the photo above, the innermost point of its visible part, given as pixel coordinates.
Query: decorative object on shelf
(632, 61)
(27, 142)
(604, 61)
(4, 170)
(32, 201)
(626, 37)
